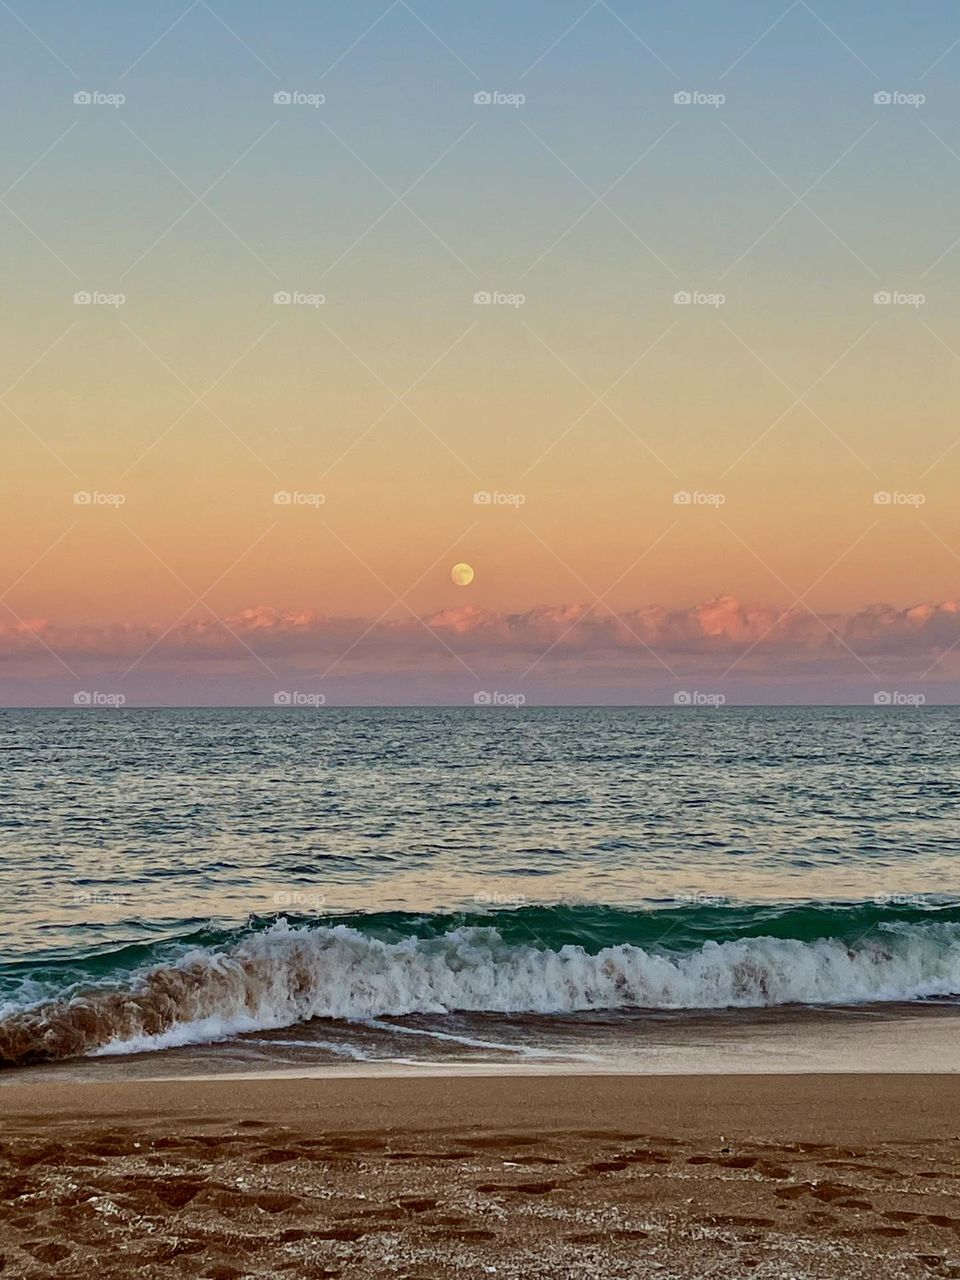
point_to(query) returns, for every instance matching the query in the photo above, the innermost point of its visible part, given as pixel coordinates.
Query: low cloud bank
(761, 638)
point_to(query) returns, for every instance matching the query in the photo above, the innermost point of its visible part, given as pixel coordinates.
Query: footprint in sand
(641, 1155)
(276, 1203)
(472, 1235)
(175, 1193)
(417, 1204)
(524, 1188)
(48, 1251)
(276, 1155)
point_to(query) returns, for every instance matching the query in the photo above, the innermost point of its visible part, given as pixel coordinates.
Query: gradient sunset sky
(784, 410)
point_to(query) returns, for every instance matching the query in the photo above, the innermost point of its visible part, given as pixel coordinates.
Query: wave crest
(287, 975)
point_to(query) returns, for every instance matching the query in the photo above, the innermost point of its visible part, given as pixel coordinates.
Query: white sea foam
(525, 1051)
(288, 975)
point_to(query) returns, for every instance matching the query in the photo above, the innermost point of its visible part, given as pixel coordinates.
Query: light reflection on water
(142, 821)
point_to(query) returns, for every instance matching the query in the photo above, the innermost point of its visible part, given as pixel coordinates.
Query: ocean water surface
(249, 889)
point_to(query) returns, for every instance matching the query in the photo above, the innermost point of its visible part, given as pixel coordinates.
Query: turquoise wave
(215, 982)
(669, 927)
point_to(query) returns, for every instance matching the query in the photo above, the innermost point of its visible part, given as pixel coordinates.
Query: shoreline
(803, 1175)
(841, 1040)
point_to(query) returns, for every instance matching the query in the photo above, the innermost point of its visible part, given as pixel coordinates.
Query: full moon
(462, 574)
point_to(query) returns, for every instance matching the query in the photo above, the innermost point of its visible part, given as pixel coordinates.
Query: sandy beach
(615, 1176)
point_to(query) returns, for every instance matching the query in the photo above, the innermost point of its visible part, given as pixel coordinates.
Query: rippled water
(140, 839)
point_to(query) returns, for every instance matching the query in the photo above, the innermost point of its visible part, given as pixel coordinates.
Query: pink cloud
(708, 636)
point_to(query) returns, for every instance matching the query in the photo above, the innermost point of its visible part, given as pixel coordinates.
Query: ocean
(323, 889)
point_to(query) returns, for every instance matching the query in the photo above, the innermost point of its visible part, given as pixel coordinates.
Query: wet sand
(555, 1176)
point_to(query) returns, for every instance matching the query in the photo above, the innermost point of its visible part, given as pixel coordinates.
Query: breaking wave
(288, 973)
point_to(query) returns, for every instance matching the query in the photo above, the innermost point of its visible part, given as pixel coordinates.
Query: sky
(647, 313)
